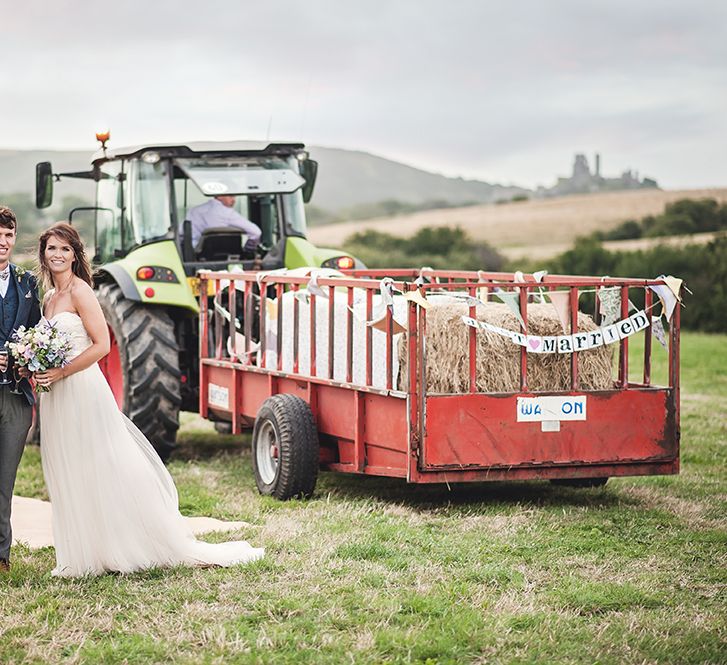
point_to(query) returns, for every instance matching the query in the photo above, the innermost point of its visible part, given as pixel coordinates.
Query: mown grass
(374, 570)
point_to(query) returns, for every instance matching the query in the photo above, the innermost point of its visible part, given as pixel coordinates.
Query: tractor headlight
(150, 157)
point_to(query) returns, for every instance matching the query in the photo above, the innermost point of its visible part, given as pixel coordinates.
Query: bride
(115, 506)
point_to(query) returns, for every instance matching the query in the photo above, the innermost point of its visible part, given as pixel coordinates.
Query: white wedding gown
(115, 506)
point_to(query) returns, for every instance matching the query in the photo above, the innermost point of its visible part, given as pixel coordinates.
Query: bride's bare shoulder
(79, 286)
(82, 295)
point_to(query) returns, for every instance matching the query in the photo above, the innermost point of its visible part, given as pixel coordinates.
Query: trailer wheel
(285, 451)
(142, 366)
(579, 482)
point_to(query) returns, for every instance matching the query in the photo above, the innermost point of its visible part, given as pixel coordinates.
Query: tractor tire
(285, 449)
(142, 367)
(579, 482)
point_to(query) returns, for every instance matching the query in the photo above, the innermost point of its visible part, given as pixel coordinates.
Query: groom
(19, 306)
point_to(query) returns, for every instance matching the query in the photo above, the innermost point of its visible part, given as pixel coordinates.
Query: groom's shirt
(4, 280)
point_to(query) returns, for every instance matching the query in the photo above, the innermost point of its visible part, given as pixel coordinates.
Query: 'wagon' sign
(551, 407)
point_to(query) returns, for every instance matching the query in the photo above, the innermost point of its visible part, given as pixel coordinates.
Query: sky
(501, 91)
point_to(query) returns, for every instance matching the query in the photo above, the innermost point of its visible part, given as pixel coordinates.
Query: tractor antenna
(270, 123)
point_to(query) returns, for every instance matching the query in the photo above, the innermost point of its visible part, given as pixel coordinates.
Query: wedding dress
(115, 506)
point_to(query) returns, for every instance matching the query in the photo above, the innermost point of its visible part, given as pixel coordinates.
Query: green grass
(374, 570)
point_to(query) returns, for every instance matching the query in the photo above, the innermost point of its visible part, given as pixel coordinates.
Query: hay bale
(498, 359)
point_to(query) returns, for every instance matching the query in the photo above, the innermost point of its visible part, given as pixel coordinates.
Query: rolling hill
(537, 228)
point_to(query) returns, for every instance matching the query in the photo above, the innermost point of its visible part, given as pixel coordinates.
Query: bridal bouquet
(40, 348)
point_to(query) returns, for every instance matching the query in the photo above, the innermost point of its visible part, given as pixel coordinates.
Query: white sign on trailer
(551, 407)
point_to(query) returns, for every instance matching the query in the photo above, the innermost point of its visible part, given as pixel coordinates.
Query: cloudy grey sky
(504, 91)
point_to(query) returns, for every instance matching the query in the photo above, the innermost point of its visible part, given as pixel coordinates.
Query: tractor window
(294, 214)
(150, 215)
(110, 197)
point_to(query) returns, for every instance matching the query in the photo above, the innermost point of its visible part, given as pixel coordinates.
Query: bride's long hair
(66, 233)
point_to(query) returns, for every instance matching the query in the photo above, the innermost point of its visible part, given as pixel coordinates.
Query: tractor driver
(220, 212)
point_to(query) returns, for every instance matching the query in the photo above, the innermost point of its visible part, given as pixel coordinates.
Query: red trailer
(331, 417)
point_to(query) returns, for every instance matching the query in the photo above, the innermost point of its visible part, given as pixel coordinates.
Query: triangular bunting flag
(418, 298)
(380, 324)
(313, 287)
(675, 286)
(512, 300)
(667, 298)
(561, 304)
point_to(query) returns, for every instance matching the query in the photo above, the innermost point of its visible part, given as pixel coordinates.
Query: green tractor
(146, 261)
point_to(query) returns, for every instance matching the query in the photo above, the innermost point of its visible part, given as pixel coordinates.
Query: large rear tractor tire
(285, 449)
(142, 366)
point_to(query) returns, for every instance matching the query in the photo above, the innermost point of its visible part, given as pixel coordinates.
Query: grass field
(373, 570)
(538, 229)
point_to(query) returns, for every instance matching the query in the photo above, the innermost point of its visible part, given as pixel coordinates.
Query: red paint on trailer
(110, 366)
(431, 438)
(482, 431)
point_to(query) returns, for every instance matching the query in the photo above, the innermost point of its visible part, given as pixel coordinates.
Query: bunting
(580, 341)
(561, 304)
(512, 300)
(657, 329)
(609, 303)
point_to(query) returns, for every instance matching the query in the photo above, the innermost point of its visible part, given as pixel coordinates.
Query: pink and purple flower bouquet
(40, 348)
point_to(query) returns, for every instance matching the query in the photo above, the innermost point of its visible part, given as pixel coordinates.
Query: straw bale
(498, 358)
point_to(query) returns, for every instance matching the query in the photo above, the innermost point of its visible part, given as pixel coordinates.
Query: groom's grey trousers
(15, 418)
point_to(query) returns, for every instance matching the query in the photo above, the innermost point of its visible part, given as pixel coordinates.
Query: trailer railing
(259, 289)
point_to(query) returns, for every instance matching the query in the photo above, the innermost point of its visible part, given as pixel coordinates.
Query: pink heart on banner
(534, 344)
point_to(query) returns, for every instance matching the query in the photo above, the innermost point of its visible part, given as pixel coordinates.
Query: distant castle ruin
(583, 181)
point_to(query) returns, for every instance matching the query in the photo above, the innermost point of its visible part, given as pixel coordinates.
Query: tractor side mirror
(309, 171)
(43, 184)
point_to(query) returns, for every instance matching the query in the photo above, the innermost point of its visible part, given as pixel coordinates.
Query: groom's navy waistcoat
(8, 310)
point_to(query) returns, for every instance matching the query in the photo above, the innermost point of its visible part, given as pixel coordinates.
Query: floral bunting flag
(609, 304)
(657, 328)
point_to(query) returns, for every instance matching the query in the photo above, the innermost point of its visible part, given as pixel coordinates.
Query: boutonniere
(20, 273)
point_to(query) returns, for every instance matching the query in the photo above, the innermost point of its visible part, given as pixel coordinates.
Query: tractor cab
(147, 254)
(145, 194)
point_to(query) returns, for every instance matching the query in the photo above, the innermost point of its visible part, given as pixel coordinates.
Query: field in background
(374, 570)
(540, 228)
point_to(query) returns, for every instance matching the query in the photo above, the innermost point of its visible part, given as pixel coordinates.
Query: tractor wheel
(142, 366)
(579, 482)
(285, 451)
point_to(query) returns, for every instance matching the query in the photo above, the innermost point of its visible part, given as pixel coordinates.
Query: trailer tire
(144, 373)
(285, 449)
(579, 482)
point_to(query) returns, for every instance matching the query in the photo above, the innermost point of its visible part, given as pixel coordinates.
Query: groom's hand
(23, 372)
(3, 363)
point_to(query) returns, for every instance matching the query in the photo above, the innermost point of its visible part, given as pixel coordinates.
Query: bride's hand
(23, 372)
(49, 377)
